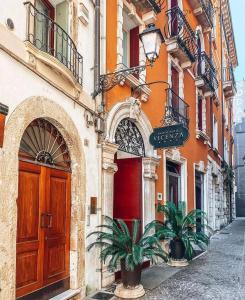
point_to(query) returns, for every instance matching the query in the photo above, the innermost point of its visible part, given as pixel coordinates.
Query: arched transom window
(129, 138)
(43, 143)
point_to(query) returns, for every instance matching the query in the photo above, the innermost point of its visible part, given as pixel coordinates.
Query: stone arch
(21, 117)
(130, 109)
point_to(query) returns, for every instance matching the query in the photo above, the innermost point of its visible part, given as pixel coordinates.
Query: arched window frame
(129, 138)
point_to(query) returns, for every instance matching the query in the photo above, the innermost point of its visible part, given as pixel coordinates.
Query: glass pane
(125, 48)
(60, 34)
(41, 26)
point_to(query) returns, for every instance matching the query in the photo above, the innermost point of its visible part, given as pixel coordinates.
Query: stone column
(109, 168)
(149, 188)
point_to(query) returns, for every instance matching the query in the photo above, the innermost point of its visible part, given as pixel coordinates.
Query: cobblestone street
(218, 274)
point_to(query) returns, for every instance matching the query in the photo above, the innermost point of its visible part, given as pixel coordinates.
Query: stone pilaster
(149, 189)
(109, 168)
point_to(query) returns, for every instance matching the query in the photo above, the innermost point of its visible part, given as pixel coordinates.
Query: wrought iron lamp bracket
(108, 81)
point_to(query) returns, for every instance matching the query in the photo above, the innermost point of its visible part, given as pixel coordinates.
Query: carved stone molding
(173, 154)
(135, 108)
(201, 166)
(110, 167)
(149, 168)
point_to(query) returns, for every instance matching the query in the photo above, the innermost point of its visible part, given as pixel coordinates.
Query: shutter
(134, 47)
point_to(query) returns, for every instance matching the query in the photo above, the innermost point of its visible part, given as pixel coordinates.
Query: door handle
(50, 220)
(44, 222)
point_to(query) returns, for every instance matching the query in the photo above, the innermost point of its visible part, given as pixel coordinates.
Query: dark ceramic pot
(177, 249)
(130, 278)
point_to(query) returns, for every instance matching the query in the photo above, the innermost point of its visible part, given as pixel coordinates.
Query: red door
(43, 227)
(128, 190)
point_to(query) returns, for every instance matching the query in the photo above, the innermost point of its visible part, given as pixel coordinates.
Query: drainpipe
(222, 92)
(97, 49)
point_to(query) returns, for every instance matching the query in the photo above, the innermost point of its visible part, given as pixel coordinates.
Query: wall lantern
(151, 39)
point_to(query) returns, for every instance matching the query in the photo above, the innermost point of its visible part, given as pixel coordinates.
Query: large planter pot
(130, 288)
(130, 278)
(177, 249)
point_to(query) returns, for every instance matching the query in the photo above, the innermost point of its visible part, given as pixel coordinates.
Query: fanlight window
(129, 138)
(43, 143)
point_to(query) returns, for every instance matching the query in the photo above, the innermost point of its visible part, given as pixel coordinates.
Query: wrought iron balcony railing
(208, 9)
(176, 110)
(206, 71)
(228, 76)
(156, 5)
(178, 27)
(46, 35)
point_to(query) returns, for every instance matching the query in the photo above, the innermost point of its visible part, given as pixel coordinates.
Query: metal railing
(208, 8)
(178, 27)
(156, 5)
(205, 70)
(228, 75)
(48, 36)
(176, 110)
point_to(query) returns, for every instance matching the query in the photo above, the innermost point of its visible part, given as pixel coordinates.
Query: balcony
(147, 5)
(176, 110)
(180, 38)
(206, 74)
(47, 36)
(229, 83)
(204, 11)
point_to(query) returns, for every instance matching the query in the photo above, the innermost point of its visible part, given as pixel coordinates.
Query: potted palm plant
(119, 246)
(183, 230)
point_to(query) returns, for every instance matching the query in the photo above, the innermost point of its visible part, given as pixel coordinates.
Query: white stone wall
(217, 197)
(18, 82)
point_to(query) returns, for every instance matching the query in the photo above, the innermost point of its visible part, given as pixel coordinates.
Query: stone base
(129, 293)
(178, 263)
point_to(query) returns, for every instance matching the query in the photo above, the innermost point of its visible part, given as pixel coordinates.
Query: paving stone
(218, 274)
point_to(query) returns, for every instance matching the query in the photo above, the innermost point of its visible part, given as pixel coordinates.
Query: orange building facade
(193, 85)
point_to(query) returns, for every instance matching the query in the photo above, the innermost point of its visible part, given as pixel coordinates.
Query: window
(130, 42)
(213, 33)
(125, 59)
(215, 133)
(226, 151)
(130, 45)
(200, 113)
(173, 191)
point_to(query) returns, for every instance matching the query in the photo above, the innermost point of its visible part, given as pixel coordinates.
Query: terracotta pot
(130, 279)
(177, 249)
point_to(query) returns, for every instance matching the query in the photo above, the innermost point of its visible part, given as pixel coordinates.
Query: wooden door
(56, 245)
(29, 250)
(43, 227)
(128, 190)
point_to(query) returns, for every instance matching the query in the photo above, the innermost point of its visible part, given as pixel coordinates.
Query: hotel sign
(169, 136)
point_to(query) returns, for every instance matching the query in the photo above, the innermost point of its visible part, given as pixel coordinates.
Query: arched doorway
(43, 210)
(128, 178)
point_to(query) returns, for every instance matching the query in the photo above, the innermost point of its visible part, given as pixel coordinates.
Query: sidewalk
(218, 274)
